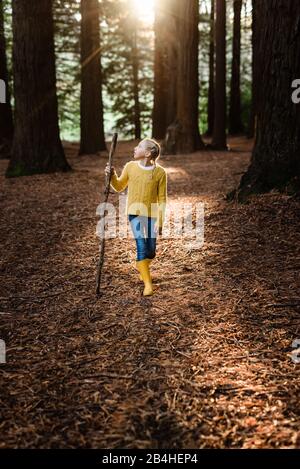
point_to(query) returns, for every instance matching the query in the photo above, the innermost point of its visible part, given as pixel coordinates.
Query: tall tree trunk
(135, 71)
(235, 121)
(161, 78)
(183, 135)
(171, 31)
(275, 161)
(256, 69)
(36, 144)
(219, 132)
(6, 118)
(92, 137)
(211, 91)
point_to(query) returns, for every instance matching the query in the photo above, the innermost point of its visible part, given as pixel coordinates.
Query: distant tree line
(190, 81)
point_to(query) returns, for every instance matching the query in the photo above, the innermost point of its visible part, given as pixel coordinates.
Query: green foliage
(120, 28)
(16, 171)
(124, 40)
(7, 11)
(246, 58)
(116, 59)
(66, 16)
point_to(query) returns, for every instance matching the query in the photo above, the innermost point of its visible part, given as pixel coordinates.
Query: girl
(146, 202)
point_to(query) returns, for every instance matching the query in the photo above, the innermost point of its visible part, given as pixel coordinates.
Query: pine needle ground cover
(204, 363)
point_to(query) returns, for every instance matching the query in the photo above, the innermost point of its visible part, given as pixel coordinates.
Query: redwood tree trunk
(235, 121)
(219, 132)
(256, 69)
(211, 91)
(161, 78)
(36, 145)
(91, 106)
(6, 118)
(275, 161)
(183, 135)
(135, 72)
(171, 31)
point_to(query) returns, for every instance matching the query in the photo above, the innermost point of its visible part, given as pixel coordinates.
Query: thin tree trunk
(91, 106)
(161, 78)
(171, 31)
(36, 144)
(256, 69)
(135, 70)
(183, 135)
(219, 132)
(211, 91)
(6, 117)
(275, 161)
(235, 121)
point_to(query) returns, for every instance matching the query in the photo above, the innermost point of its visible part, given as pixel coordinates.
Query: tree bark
(183, 135)
(256, 69)
(171, 30)
(92, 137)
(235, 122)
(36, 144)
(219, 132)
(135, 72)
(6, 117)
(211, 91)
(161, 77)
(275, 161)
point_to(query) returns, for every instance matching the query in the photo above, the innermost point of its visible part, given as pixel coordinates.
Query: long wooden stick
(106, 194)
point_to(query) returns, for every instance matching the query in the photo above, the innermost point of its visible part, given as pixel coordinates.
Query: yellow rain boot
(149, 262)
(143, 267)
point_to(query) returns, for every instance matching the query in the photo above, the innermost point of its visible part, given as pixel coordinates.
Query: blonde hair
(154, 147)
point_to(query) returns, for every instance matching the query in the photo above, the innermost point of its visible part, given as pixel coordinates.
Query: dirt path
(203, 363)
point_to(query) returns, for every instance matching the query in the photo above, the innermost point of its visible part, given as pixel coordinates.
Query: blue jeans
(145, 236)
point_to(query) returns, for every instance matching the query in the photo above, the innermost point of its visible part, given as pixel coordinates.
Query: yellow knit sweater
(147, 189)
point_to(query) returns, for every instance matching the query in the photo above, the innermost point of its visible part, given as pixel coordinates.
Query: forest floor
(206, 362)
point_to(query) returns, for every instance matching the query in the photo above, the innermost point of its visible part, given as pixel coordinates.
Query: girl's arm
(120, 183)
(162, 199)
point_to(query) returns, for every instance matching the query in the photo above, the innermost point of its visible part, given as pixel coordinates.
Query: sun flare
(144, 9)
